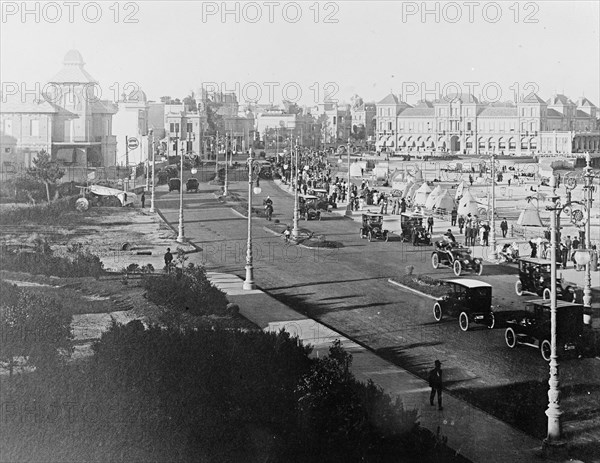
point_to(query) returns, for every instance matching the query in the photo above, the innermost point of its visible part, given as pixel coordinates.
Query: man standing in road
(461, 224)
(504, 227)
(454, 215)
(436, 384)
(430, 224)
(566, 252)
(143, 199)
(168, 260)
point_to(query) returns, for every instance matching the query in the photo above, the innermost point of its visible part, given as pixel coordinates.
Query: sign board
(132, 143)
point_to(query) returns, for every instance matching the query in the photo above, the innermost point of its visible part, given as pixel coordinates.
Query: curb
(188, 242)
(393, 282)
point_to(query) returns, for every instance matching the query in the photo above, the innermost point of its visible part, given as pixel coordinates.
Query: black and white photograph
(299, 231)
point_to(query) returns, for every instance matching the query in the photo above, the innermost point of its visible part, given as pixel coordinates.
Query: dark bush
(189, 290)
(44, 262)
(55, 212)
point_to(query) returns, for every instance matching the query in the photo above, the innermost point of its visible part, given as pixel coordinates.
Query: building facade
(68, 121)
(460, 123)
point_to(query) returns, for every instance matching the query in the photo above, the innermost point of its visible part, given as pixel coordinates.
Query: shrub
(53, 212)
(186, 290)
(33, 327)
(44, 262)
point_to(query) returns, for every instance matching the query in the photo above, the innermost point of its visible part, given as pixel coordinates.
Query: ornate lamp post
(151, 134)
(253, 171)
(225, 188)
(348, 189)
(553, 442)
(493, 254)
(180, 235)
(295, 230)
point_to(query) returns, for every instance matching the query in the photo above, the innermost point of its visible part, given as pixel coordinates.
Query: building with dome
(66, 118)
(462, 124)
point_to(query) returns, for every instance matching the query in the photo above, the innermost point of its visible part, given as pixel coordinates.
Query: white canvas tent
(467, 205)
(460, 190)
(437, 191)
(119, 194)
(421, 195)
(529, 217)
(443, 202)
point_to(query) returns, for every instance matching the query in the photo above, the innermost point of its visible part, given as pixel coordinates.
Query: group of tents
(442, 200)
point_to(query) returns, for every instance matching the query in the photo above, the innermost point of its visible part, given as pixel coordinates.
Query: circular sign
(132, 143)
(194, 171)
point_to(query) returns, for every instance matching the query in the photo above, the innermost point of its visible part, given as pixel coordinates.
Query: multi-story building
(280, 126)
(335, 120)
(364, 120)
(131, 121)
(460, 123)
(68, 120)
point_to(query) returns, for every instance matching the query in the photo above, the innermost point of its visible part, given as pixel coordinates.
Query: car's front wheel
(545, 349)
(463, 321)
(435, 260)
(491, 321)
(457, 268)
(437, 312)
(519, 288)
(479, 268)
(510, 338)
(546, 294)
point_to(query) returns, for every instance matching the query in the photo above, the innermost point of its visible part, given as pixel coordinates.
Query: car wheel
(491, 321)
(435, 260)
(437, 312)
(545, 349)
(370, 236)
(463, 321)
(546, 294)
(480, 268)
(510, 338)
(519, 288)
(457, 268)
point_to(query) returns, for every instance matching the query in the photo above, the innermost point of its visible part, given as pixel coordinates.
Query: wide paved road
(347, 289)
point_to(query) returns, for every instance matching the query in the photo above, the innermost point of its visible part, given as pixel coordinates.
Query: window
(8, 127)
(176, 126)
(34, 128)
(190, 127)
(389, 126)
(171, 127)
(468, 126)
(334, 120)
(189, 147)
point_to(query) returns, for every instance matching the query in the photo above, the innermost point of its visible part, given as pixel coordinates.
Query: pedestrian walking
(533, 247)
(461, 224)
(436, 384)
(430, 224)
(168, 260)
(402, 205)
(453, 215)
(143, 199)
(504, 227)
(471, 179)
(486, 234)
(566, 252)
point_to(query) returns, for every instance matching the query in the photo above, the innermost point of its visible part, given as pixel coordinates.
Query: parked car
(532, 327)
(323, 201)
(192, 184)
(413, 229)
(372, 227)
(535, 277)
(455, 257)
(308, 207)
(174, 184)
(470, 300)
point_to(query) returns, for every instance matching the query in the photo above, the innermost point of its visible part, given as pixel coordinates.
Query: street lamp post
(587, 290)
(151, 133)
(249, 281)
(225, 189)
(180, 236)
(295, 230)
(494, 255)
(553, 412)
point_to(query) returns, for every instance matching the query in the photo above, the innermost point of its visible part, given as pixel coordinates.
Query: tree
(190, 102)
(46, 171)
(34, 328)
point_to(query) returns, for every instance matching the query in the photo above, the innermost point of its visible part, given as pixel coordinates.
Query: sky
(300, 51)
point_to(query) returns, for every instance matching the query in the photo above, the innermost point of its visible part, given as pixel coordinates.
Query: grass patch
(423, 283)
(60, 211)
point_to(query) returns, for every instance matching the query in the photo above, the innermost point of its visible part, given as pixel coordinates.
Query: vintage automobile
(308, 207)
(532, 327)
(413, 229)
(323, 199)
(470, 300)
(535, 277)
(192, 184)
(372, 227)
(456, 257)
(174, 184)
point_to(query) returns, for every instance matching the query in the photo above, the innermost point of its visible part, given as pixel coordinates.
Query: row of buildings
(79, 129)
